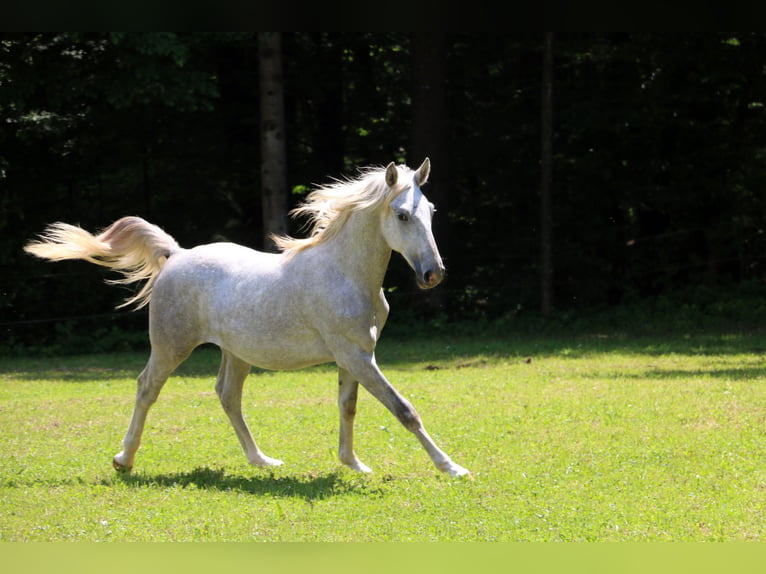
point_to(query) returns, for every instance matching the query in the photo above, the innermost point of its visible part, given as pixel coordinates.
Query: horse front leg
(362, 367)
(347, 397)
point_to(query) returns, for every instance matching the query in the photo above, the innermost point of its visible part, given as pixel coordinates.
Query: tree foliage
(658, 155)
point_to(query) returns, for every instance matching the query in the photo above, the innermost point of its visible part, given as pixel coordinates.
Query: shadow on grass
(307, 487)
(735, 374)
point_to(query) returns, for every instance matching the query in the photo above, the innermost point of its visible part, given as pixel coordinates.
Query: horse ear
(392, 175)
(421, 175)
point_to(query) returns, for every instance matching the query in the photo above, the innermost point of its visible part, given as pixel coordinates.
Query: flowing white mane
(327, 207)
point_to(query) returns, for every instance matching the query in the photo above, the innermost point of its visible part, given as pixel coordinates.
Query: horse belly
(287, 350)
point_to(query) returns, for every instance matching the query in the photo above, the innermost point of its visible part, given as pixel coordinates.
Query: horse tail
(132, 246)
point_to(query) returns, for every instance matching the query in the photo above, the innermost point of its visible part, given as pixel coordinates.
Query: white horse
(319, 300)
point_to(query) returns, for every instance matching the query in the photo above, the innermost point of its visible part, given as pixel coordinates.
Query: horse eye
(403, 217)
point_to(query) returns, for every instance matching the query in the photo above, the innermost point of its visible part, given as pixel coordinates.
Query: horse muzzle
(430, 278)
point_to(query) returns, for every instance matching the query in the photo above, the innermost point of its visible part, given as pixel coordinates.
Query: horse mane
(328, 206)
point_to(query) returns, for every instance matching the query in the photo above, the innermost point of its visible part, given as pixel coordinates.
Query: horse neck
(360, 249)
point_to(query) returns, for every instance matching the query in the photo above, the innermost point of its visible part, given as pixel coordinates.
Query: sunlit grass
(589, 438)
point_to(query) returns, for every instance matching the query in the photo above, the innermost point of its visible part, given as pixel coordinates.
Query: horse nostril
(430, 277)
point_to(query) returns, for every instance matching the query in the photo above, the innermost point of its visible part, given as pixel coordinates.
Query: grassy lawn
(580, 438)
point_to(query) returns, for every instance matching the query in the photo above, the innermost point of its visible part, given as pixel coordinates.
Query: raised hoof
(457, 471)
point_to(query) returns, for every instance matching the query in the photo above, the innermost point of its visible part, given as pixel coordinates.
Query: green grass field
(578, 438)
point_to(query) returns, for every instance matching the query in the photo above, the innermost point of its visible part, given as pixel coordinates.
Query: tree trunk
(273, 161)
(429, 135)
(546, 178)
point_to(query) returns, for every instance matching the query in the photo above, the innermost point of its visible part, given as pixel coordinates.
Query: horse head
(406, 224)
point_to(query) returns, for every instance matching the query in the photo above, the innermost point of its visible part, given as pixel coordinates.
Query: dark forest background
(658, 195)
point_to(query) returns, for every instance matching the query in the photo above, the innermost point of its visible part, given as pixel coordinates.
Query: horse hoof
(457, 471)
(267, 461)
(358, 466)
(121, 467)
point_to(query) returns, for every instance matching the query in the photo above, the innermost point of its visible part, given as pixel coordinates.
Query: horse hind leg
(150, 383)
(348, 388)
(231, 379)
